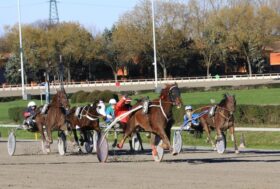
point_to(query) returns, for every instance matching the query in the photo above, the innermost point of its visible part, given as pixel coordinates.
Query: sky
(95, 15)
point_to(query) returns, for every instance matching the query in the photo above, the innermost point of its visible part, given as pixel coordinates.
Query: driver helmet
(31, 103)
(188, 107)
(112, 101)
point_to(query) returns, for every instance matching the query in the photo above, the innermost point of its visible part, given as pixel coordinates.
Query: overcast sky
(93, 14)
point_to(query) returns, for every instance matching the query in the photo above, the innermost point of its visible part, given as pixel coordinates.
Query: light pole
(154, 41)
(21, 53)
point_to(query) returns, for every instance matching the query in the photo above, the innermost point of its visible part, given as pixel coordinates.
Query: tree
(12, 71)
(134, 32)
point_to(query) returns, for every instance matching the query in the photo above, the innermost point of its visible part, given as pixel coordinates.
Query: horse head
(61, 100)
(229, 102)
(172, 94)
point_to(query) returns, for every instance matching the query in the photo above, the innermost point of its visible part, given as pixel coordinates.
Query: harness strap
(161, 108)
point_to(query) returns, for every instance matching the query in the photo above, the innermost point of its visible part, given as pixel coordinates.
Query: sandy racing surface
(194, 168)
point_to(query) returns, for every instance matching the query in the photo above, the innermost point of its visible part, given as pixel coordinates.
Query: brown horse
(157, 118)
(221, 120)
(55, 118)
(88, 119)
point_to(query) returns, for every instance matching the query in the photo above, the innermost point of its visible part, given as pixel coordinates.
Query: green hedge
(81, 96)
(16, 114)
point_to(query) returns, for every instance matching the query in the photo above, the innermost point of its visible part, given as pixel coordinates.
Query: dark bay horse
(157, 118)
(222, 119)
(88, 119)
(55, 118)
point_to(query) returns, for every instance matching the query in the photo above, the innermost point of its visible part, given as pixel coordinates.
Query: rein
(89, 115)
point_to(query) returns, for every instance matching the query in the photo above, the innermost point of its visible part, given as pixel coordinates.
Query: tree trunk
(115, 76)
(68, 74)
(164, 72)
(249, 66)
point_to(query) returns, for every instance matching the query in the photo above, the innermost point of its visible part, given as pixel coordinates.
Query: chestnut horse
(55, 118)
(87, 120)
(222, 119)
(157, 118)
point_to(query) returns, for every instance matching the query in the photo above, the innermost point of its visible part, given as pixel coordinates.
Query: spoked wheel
(177, 143)
(88, 141)
(136, 142)
(221, 144)
(61, 145)
(160, 151)
(102, 148)
(95, 139)
(11, 145)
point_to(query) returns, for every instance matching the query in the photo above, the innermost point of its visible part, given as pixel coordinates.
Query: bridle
(171, 95)
(172, 100)
(88, 115)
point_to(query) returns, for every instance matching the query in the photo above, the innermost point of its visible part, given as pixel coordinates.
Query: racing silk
(121, 108)
(194, 119)
(110, 114)
(29, 112)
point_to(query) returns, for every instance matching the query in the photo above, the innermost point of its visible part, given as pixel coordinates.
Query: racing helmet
(31, 103)
(112, 101)
(188, 107)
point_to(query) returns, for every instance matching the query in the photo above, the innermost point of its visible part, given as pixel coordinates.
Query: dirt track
(201, 168)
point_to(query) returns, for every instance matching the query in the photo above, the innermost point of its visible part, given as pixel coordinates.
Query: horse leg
(207, 130)
(76, 139)
(140, 140)
(231, 130)
(127, 132)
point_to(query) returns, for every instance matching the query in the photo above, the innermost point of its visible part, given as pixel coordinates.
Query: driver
(123, 106)
(190, 118)
(29, 114)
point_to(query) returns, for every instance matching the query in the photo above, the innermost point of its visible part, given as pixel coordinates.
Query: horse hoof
(174, 153)
(48, 150)
(154, 152)
(237, 151)
(119, 146)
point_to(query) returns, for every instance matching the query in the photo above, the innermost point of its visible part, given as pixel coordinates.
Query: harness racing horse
(157, 117)
(87, 118)
(55, 118)
(221, 120)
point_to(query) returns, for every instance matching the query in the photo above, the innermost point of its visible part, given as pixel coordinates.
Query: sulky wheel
(221, 144)
(62, 144)
(177, 143)
(11, 145)
(160, 151)
(95, 139)
(136, 142)
(102, 148)
(88, 141)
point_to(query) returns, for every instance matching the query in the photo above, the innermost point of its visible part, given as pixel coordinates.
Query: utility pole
(53, 13)
(155, 51)
(21, 54)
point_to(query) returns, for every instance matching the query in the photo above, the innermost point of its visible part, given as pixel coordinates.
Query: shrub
(82, 97)
(93, 96)
(16, 114)
(74, 96)
(107, 95)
